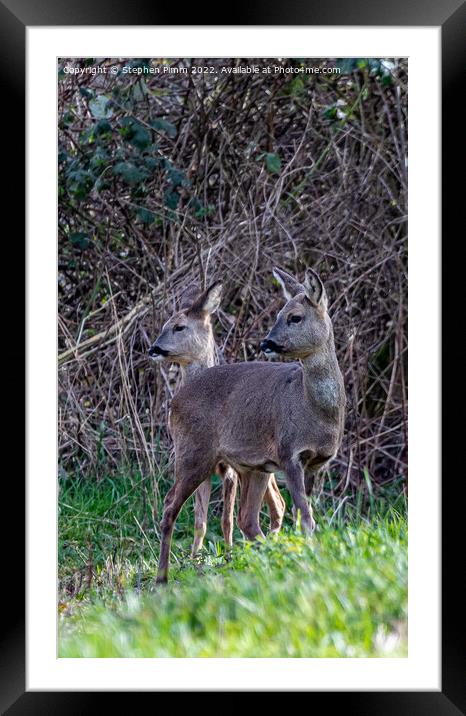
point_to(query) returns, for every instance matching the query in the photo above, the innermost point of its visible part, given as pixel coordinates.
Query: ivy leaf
(103, 129)
(176, 177)
(135, 133)
(172, 199)
(348, 65)
(130, 173)
(273, 163)
(164, 126)
(101, 183)
(296, 86)
(204, 211)
(145, 215)
(88, 136)
(152, 162)
(62, 156)
(100, 107)
(99, 159)
(79, 183)
(141, 138)
(140, 90)
(68, 118)
(80, 240)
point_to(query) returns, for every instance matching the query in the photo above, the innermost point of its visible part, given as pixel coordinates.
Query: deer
(263, 416)
(187, 338)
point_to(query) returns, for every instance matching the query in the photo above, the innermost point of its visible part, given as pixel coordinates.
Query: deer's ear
(209, 300)
(188, 297)
(315, 290)
(290, 286)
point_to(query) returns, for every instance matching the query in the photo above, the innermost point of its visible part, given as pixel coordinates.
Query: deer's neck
(323, 382)
(207, 359)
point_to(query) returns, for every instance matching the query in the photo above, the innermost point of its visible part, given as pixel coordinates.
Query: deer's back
(231, 387)
(242, 402)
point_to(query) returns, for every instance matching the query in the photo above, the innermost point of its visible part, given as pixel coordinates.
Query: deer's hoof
(308, 528)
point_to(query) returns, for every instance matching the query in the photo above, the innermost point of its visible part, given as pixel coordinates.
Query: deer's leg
(309, 478)
(230, 484)
(275, 503)
(313, 470)
(295, 483)
(201, 506)
(188, 478)
(169, 496)
(243, 497)
(257, 485)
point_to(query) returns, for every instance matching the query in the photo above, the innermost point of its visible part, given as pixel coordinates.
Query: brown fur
(262, 416)
(194, 349)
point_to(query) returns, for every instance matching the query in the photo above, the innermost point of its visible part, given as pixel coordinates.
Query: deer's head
(303, 325)
(187, 336)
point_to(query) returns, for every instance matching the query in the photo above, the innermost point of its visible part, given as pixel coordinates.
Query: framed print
(221, 263)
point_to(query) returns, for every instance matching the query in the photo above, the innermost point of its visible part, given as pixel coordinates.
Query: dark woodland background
(165, 179)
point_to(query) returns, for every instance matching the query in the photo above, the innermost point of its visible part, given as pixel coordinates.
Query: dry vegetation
(165, 179)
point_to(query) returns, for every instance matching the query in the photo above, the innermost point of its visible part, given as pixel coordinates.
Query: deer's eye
(179, 328)
(295, 319)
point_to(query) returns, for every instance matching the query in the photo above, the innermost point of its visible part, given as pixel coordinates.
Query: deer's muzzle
(156, 352)
(269, 346)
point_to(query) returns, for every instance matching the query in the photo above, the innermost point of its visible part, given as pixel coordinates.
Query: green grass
(342, 593)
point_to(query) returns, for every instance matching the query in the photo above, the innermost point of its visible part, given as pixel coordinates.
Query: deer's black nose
(155, 350)
(269, 346)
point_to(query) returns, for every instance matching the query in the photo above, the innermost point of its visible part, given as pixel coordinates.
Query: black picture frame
(15, 17)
